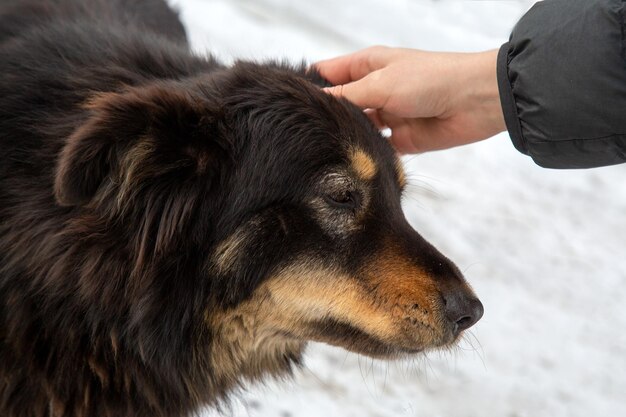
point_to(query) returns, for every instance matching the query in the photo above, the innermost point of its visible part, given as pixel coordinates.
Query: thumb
(366, 93)
(420, 135)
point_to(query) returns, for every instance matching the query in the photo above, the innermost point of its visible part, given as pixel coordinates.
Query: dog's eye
(343, 200)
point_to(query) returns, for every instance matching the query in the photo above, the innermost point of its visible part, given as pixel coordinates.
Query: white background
(545, 250)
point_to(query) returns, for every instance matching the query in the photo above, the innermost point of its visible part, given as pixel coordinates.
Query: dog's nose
(462, 309)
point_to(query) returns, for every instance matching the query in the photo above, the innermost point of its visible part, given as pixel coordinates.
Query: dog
(171, 226)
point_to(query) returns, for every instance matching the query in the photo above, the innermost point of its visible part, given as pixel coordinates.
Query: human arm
(561, 81)
(430, 100)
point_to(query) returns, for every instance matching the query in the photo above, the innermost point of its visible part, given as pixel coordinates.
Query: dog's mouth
(387, 318)
(349, 337)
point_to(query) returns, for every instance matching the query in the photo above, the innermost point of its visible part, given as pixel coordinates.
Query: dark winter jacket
(562, 80)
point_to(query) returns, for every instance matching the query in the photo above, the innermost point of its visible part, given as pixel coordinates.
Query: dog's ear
(135, 135)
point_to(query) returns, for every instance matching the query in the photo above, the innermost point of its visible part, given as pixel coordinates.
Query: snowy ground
(545, 250)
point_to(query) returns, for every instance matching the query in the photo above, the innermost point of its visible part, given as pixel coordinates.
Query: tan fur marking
(318, 294)
(114, 342)
(132, 168)
(401, 173)
(258, 334)
(363, 164)
(411, 293)
(99, 100)
(394, 276)
(99, 370)
(86, 397)
(226, 253)
(250, 343)
(128, 384)
(137, 165)
(56, 406)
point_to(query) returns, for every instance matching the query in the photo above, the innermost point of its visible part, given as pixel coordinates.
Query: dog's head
(284, 200)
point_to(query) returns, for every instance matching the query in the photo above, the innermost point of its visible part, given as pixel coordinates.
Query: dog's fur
(170, 227)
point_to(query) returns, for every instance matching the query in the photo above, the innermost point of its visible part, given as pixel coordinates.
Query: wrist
(483, 97)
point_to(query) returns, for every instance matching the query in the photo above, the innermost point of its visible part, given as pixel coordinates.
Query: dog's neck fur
(245, 347)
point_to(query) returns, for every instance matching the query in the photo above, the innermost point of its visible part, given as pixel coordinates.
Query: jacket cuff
(507, 100)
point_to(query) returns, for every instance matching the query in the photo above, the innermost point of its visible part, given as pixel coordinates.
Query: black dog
(170, 226)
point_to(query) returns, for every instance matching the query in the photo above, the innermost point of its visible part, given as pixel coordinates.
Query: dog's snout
(462, 309)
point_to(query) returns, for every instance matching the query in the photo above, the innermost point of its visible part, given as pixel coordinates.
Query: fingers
(354, 66)
(403, 131)
(403, 140)
(410, 136)
(366, 93)
(337, 70)
(375, 118)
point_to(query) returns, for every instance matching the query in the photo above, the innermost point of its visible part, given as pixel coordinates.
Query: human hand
(429, 100)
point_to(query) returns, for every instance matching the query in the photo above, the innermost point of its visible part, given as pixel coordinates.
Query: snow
(545, 250)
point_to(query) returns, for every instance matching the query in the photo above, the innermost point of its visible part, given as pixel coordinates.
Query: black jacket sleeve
(562, 81)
